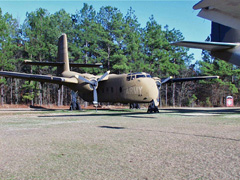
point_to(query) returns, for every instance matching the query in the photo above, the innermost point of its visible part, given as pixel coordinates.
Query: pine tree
(8, 31)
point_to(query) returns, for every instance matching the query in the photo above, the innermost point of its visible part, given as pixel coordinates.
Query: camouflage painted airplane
(122, 88)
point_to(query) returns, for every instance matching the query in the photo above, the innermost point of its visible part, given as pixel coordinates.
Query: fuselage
(122, 88)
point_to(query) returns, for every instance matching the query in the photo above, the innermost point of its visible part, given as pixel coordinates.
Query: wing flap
(40, 78)
(210, 46)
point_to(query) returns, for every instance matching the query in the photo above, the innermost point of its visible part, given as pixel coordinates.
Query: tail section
(63, 54)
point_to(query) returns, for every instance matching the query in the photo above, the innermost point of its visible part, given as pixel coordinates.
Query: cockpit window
(140, 76)
(132, 76)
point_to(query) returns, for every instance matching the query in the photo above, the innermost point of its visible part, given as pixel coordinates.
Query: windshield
(132, 76)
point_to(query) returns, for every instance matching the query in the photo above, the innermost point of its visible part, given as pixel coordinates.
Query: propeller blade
(95, 97)
(84, 79)
(166, 80)
(103, 76)
(159, 96)
(94, 84)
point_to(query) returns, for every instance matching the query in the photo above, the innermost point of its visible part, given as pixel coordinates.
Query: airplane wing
(210, 46)
(30, 62)
(226, 12)
(172, 80)
(40, 78)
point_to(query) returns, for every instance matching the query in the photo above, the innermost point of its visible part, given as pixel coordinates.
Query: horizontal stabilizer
(30, 62)
(172, 80)
(210, 46)
(40, 78)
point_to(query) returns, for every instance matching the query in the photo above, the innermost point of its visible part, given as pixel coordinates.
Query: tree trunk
(2, 91)
(59, 97)
(86, 56)
(16, 91)
(109, 51)
(166, 94)
(173, 94)
(40, 94)
(62, 91)
(11, 93)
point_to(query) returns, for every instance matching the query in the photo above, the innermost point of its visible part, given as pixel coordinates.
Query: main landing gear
(134, 106)
(152, 108)
(74, 104)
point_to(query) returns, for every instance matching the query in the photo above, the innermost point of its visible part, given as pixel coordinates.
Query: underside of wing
(220, 11)
(40, 78)
(30, 62)
(210, 46)
(172, 80)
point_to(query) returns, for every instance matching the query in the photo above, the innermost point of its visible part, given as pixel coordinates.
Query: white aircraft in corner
(226, 13)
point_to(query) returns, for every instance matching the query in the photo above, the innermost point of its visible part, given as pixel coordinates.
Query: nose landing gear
(152, 108)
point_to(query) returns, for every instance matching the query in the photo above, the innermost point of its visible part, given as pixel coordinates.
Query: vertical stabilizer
(63, 54)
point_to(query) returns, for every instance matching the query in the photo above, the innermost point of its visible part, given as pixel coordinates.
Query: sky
(177, 14)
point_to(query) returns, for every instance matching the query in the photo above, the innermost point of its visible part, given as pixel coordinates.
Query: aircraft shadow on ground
(203, 111)
(124, 113)
(31, 108)
(111, 127)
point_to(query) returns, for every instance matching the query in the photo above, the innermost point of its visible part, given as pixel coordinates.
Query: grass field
(120, 144)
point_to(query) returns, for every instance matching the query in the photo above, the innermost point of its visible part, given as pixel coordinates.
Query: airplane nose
(149, 90)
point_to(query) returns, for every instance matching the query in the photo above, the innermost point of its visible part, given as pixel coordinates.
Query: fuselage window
(120, 89)
(112, 89)
(128, 78)
(133, 77)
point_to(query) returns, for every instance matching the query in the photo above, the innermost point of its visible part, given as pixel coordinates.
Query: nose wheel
(152, 108)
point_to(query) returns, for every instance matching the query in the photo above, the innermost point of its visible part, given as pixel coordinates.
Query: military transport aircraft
(122, 88)
(227, 35)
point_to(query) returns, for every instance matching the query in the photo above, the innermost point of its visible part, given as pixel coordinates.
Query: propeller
(159, 83)
(94, 84)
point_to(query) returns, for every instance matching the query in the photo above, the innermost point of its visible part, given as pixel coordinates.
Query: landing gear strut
(152, 108)
(134, 106)
(74, 104)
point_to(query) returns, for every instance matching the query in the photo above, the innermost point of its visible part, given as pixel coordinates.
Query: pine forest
(116, 40)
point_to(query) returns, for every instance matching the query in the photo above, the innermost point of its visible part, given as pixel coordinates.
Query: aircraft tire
(78, 107)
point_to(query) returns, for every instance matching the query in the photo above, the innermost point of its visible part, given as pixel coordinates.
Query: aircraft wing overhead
(40, 78)
(193, 78)
(172, 80)
(226, 12)
(30, 62)
(210, 46)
